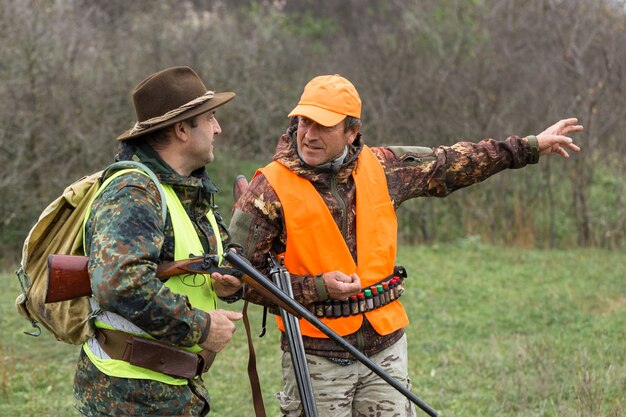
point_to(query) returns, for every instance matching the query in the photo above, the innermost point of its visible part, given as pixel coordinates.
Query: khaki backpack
(59, 230)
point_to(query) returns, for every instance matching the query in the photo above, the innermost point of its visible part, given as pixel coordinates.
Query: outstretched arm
(555, 140)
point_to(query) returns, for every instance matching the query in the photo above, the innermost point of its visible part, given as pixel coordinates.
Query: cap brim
(217, 100)
(317, 114)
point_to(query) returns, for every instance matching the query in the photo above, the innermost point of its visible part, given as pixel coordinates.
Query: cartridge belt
(375, 296)
(154, 355)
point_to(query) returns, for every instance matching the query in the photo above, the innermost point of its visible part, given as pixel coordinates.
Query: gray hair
(351, 124)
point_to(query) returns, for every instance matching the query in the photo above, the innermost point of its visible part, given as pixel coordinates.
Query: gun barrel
(282, 280)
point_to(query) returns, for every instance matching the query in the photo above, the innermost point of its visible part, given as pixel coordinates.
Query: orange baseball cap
(328, 99)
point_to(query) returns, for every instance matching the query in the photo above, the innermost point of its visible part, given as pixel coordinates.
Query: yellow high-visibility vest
(202, 296)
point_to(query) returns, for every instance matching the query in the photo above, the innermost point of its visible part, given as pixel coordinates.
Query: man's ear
(181, 131)
(353, 134)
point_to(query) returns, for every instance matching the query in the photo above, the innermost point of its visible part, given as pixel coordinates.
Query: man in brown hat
(154, 339)
(327, 203)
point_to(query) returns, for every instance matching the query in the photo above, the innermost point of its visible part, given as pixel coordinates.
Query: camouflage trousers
(97, 394)
(352, 390)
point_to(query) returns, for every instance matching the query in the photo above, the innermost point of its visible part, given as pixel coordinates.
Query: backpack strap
(116, 166)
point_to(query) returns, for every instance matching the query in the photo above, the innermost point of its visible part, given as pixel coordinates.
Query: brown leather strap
(255, 385)
(153, 355)
(156, 356)
(206, 360)
(114, 343)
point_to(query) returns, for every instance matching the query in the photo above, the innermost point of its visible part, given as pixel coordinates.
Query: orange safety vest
(315, 244)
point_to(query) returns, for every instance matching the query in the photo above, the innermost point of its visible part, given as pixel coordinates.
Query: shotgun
(241, 263)
(68, 277)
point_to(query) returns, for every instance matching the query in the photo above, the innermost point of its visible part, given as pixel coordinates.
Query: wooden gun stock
(239, 187)
(68, 277)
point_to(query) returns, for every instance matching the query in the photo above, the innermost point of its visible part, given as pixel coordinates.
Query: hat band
(146, 124)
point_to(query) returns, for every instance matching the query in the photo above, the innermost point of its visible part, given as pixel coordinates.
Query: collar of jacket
(287, 154)
(144, 153)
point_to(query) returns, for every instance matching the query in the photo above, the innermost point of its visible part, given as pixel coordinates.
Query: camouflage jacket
(258, 220)
(126, 239)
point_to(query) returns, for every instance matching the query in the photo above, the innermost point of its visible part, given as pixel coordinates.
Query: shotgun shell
(392, 297)
(361, 300)
(369, 303)
(394, 288)
(336, 309)
(328, 309)
(354, 305)
(345, 308)
(400, 286)
(375, 297)
(386, 292)
(381, 295)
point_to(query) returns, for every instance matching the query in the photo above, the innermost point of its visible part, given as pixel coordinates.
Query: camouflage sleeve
(124, 237)
(436, 172)
(257, 225)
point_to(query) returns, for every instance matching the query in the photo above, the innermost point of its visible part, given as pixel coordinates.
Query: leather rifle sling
(255, 385)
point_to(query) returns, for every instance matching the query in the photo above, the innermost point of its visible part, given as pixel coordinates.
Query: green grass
(493, 332)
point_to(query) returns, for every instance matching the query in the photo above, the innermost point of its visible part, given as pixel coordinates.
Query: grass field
(494, 332)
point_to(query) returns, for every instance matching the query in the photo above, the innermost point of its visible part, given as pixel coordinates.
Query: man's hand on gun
(341, 286)
(225, 285)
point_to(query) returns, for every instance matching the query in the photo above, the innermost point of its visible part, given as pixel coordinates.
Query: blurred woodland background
(430, 73)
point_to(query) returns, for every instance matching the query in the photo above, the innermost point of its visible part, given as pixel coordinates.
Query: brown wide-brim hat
(171, 96)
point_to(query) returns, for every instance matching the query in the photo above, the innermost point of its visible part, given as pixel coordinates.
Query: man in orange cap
(327, 204)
